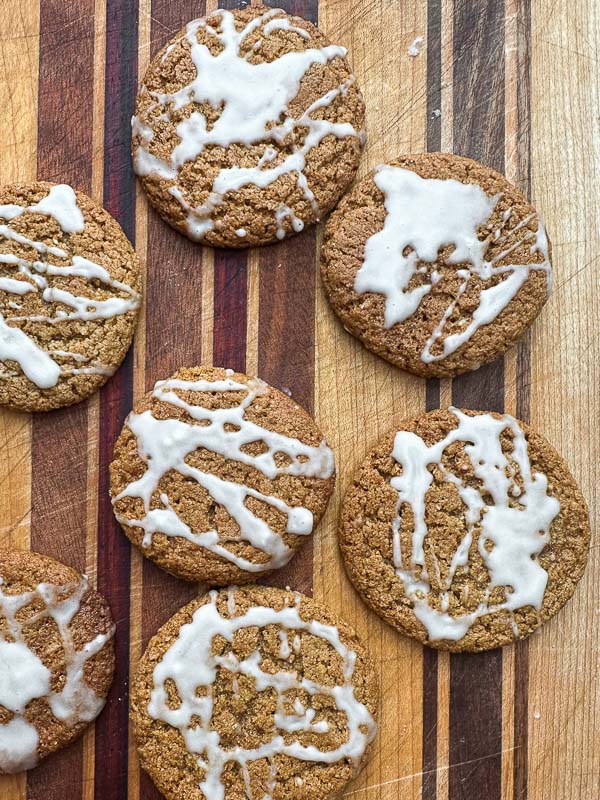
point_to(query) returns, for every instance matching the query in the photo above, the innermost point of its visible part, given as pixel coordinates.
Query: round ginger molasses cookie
(436, 263)
(248, 126)
(69, 296)
(464, 530)
(254, 692)
(56, 657)
(218, 477)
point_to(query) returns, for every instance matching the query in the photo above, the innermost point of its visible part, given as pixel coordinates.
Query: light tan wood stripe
(252, 313)
(19, 30)
(208, 296)
(19, 50)
(208, 275)
(359, 397)
(564, 721)
(443, 732)
(447, 75)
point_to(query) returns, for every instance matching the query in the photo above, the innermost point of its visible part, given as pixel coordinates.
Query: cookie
(69, 296)
(254, 692)
(248, 127)
(464, 530)
(56, 657)
(436, 263)
(218, 477)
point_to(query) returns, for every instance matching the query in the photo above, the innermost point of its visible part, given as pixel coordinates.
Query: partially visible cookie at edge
(218, 477)
(248, 127)
(256, 692)
(464, 530)
(70, 287)
(56, 657)
(436, 263)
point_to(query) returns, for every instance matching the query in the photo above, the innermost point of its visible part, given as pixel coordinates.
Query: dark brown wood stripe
(111, 757)
(173, 336)
(434, 75)
(286, 331)
(230, 293)
(432, 401)
(230, 309)
(478, 132)
(286, 351)
(59, 439)
(523, 178)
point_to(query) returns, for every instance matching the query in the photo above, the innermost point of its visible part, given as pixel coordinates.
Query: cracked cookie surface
(436, 263)
(464, 530)
(219, 477)
(248, 127)
(254, 692)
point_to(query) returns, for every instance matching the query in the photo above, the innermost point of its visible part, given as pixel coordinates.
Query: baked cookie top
(69, 296)
(248, 127)
(464, 530)
(56, 657)
(436, 263)
(254, 692)
(218, 477)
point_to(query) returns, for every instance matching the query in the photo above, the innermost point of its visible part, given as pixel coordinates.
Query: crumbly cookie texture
(464, 530)
(436, 263)
(69, 296)
(219, 477)
(56, 657)
(248, 127)
(254, 692)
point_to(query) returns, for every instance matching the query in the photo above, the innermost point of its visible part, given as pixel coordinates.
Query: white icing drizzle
(415, 48)
(190, 664)
(253, 99)
(24, 677)
(425, 215)
(517, 533)
(164, 445)
(32, 276)
(285, 212)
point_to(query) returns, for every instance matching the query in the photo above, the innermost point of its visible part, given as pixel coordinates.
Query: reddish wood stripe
(59, 439)
(478, 132)
(116, 397)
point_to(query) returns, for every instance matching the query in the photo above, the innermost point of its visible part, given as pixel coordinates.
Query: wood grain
(514, 83)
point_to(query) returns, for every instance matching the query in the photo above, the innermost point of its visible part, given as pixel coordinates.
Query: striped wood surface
(517, 85)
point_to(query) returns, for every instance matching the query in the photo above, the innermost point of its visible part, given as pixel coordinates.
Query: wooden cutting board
(513, 83)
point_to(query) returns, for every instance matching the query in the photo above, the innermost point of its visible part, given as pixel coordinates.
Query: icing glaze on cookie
(423, 216)
(517, 531)
(190, 665)
(253, 100)
(35, 275)
(164, 444)
(24, 677)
